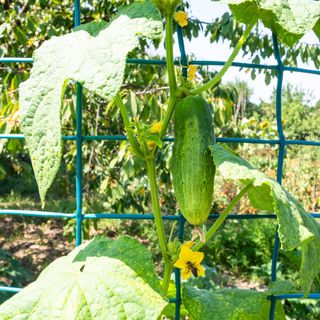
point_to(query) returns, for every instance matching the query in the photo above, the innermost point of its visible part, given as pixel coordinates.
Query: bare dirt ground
(34, 243)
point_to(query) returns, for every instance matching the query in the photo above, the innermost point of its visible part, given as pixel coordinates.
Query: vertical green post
(181, 221)
(177, 272)
(281, 153)
(184, 60)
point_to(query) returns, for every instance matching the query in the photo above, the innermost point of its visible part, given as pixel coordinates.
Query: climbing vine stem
(158, 218)
(169, 55)
(171, 75)
(214, 228)
(134, 143)
(226, 66)
(168, 115)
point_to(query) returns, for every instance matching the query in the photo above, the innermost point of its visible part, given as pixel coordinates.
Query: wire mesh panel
(79, 139)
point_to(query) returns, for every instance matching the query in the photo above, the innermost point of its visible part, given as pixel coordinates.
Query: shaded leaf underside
(95, 56)
(289, 19)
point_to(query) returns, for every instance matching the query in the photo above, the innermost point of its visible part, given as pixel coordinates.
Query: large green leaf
(229, 304)
(96, 58)
(316, 29)
(296, 227)
(102, 279)
(289, 19)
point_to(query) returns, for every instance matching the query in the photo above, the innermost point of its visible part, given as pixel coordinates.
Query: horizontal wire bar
(234, 64)
(17, 136)
(295, 296)
(10, 289)
(36, 213)
(170, 139)
(195, 62)
(302, 70)
(123, 216)
(16, 60)
(172, 217)
(248, 140)
(302, 142)
(132, 216)
(109, 138)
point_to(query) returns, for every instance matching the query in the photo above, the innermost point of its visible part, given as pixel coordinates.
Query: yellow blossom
(252, 121)
(192, 69)
(30, 42)
(182, 18)
(189, 262)
(142, 191)
(188, 244)
(151, 144)
(156, 127)
(264, 124)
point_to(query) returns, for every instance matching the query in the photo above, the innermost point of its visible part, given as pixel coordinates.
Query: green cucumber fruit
(192, 167)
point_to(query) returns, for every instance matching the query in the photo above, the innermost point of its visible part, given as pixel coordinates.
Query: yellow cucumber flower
(189, 262)
(188, 244)
(182, 18)
(156, 127)
(192, 69)
(151, 144)
(264, 124)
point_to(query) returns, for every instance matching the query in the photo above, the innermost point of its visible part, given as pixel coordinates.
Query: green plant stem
(168, 266)
(134, 143)
(172, 230)
(219, 75)
(171, 75)
(213, 229)
(166, 277)
(168, 115)
(169, 55)
(158, 220)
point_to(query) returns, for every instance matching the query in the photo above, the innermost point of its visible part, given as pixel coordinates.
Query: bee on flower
(190, 262)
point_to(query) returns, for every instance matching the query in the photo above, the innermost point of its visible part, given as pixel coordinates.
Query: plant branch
(168, 114)
(219, 75)
(213, 229)
(158, 218)
(166, 278)
(134, 143)
(150, 91)
(169, 55)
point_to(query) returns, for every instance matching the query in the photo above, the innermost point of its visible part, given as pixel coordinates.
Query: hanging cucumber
(192, 167)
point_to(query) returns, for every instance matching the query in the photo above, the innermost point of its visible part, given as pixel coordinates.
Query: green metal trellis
(79, 216)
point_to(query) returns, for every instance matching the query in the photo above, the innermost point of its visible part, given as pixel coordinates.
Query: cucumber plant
(115, 278)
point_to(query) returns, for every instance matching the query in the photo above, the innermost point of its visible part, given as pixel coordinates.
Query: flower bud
(156, 127)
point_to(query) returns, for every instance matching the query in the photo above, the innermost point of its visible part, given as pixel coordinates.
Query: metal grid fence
(79, 139)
